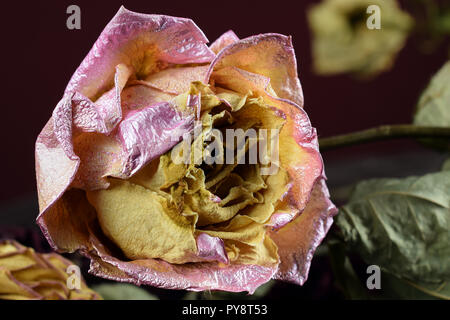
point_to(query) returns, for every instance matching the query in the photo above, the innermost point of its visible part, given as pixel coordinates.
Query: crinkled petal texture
(27, 275)
(150, 92)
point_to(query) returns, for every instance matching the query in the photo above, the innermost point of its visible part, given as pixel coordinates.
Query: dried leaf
(402, 225)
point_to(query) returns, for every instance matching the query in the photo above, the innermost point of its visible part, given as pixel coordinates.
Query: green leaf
(395, 288)
(446, 165)
(403, 226)
(346, 278)
(433, 108)
(122, 291)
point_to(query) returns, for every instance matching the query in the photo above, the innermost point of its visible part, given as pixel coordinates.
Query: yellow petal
(37, 273)
(263, 253)
(18, 261)
(211, 212)
(7, 248)
(142, 223)
(234, 99)
(277, 185)
(52, 290)
(159, 174)
(10, 287)
(240, 228)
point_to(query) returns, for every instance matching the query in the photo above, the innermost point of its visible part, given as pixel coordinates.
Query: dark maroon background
(39, 54)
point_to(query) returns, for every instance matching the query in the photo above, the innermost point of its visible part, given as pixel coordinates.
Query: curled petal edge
(271, 55)
(298, 240)
(158, 273)
(168, 39)
(299, 126)
(224, 40)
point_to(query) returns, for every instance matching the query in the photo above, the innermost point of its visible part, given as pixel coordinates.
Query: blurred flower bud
(346, 41)
(25, 274)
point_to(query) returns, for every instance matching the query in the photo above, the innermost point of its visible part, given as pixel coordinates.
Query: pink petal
(86, 115)
(55, 171)
(193, 276)
(127, 38)
(176, 80)
(211, 248)
(224, 40)
(100, 156)
(298, 240)
(280, 219)
(113, 115)
(55, 168)
(150, 132)
(270, 55)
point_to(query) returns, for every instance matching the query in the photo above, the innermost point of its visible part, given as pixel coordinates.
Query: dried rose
(25, 274)
(342, 41)
(109, 186)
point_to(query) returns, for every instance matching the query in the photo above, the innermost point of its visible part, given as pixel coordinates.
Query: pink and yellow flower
(108, 187)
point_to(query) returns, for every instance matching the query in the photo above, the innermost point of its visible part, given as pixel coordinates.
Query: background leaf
(433, 108)
(403, 226)
(446, 165)
(394, 287)
(345, 276)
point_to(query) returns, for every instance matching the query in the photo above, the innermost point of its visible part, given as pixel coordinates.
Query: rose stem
(383, 132)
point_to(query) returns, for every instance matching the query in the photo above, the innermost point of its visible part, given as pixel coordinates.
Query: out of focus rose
(109, 186)
(25, 274)
(342, 42)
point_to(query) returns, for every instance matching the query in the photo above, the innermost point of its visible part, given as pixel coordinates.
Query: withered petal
(211, 248)
(56, 161)
(130, 38)
(224, 40)
(55, 170)
(271, 55)
(63, 223)
(26, 274)
(296, 131)
(150, 132)
(176, 80)
(298, 240)
(194, 277)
